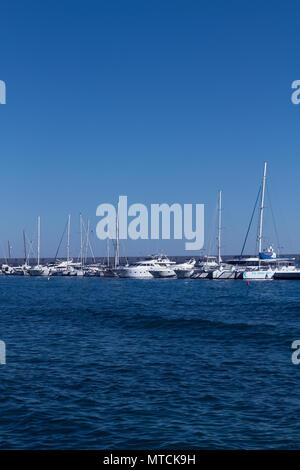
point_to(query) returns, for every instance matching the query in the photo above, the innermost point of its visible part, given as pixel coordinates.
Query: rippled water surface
(123, 363)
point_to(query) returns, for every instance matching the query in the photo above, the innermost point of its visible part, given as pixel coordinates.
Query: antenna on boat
(219, 226)
(261, 214)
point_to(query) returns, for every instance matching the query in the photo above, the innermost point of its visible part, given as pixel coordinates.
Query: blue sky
(162, 101)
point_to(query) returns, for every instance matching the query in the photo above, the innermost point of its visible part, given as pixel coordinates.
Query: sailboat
(22, 270)
(39, 270)
(267, 264)
(212, 267)
(79, 270)
(262, 271)
(223, 271)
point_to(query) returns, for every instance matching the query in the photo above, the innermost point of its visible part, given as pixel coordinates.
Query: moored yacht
(21, 270)
(205, 267)
(287, 272)
(184, 270)
(39, 270)
(159, 271)
(142, 269)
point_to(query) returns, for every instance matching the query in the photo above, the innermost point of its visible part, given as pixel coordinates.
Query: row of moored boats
(266, 266)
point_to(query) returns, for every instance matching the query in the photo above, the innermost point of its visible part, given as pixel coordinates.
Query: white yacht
(142, 269)
(163, 270)
(224, 271)
(7, 269)
(184, 270)
(259, 274)
(64, 268)
(39, 270)
(205, 267)
(21, 270)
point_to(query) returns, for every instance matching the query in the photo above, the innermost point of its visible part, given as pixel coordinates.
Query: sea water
(97, 363)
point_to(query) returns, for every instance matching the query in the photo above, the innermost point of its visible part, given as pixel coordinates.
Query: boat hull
(258, 275)
(200, 275)
(287, 275)
(184, 273)
(159, 274)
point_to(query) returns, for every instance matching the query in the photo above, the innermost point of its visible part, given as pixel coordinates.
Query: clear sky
(163, 101)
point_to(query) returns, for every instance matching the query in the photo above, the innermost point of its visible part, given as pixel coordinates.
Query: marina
(150, 232)
(265, 265)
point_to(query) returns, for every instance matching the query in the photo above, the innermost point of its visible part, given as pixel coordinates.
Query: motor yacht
(184, 270)
(142, 269)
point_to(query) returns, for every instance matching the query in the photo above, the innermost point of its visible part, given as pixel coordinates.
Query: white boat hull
(258, 275)
(184, 273)
(164, 273)
(134, 274)
(288, 275)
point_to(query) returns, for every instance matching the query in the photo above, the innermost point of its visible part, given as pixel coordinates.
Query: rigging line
(273, 217)
(250, 223)
(62, 237)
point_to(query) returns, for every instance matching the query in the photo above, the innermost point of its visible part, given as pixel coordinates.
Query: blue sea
(140, 364)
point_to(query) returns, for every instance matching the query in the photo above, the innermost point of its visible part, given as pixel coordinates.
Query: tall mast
(39, 239)
(107, 250)
(117, 239)
(68, 239)
(9, 253)
(219, 226)
(87, 242)
(261, 210)
(81, 261)
(25, 253)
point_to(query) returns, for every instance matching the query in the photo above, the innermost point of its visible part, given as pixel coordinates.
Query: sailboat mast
(117, 240)
(261, 214)
(81, 240)
(25, 253)
(39, 239)
(68, 239)
(219, 226)
(9, 253)
(87, 241)
(107, 251)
